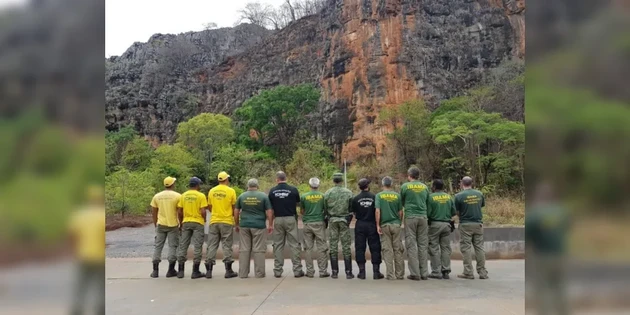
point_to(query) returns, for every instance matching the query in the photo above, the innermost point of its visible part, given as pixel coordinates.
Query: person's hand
(378, 229)
(236, 229)
(270, 229)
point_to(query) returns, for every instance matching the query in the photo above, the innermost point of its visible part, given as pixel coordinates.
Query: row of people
(428, 219)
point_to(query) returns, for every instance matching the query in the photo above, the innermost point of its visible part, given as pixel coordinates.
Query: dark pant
(366, 231)
(90, 279)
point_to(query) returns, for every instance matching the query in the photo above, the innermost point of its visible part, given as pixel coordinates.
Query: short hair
(313, 182)
(280, 175)
(438, 184)
(364, 183)
(413, 172)
(252, 183)
(467, 181)
(387, 181)
(337, 180)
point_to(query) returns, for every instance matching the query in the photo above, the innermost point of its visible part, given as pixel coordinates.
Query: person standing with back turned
(415, 196)
(337, 203)
(164, 205)
(468, 203)
(284, 200)
(191, 211)
(388, 213)
(312, 208)
(221, 201)
(363, 207)
(441, 212)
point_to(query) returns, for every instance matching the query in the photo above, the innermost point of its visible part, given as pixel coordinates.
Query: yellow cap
(169, 181)
(223, 176)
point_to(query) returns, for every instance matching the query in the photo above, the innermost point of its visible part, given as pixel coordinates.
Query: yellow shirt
(222, 198)
(88, 226)
(166, 202)
(191, 201)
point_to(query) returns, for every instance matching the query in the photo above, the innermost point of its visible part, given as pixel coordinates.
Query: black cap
(364, 183)
(194, 181)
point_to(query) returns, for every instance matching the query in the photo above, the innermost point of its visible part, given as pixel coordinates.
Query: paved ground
(131, 291)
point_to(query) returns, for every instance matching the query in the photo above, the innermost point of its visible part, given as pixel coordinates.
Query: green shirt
(468, 204)
(312, 204)
(337, 203)
(546, 228)
(441, 207)
(253, 205)
(415, 196)
(389, 204)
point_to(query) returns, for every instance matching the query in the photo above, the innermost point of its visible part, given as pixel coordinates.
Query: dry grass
(600, 239)
(115, 222)
(504, 211)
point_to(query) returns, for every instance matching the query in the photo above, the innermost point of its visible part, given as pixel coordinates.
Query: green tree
(137, 155)
(173, 160)
(128, 192)
(311, 159)
(115, 143)
(273, 117)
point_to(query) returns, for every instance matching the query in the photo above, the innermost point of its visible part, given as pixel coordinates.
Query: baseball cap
(169, 181)
(223, 176)
(194, 181)
(338, 175)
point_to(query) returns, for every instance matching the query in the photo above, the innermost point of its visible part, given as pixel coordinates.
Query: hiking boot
(171, 270)
(463, 276)
(415, 278)
(155, 272)
(209, 270)
(299, 274)
(229, 273)
(361, 274)
(377, 271)
(334, 266)
(434, 276)
(310, 275)
(180, 270)
(196, 273)
(348, 264)
(484, 277)
(277, 275)
(324, 274)
(424, 278)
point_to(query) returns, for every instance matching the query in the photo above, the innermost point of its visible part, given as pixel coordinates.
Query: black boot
(209, 271)
(377, 271)
(156, 271)
(171, 270)
(361, 274)
(180, 270)
(334, 266)
(196, 273)
(229, 273)
(347, 261)
(445, 275)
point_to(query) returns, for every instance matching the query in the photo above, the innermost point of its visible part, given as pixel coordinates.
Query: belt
(440, 221)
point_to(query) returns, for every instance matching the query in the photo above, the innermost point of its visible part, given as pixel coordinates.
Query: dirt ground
(115, 222)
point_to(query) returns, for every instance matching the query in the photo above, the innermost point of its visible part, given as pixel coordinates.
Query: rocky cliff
(364, 54)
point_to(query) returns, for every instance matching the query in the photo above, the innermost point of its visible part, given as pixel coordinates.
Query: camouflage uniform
(336, 205)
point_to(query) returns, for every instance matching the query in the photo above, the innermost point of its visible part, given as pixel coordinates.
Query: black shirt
(363, 207)
(284, 199)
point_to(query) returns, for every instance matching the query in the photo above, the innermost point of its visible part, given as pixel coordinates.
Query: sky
(129, 21)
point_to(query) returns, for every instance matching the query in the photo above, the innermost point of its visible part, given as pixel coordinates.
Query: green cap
(338, 175)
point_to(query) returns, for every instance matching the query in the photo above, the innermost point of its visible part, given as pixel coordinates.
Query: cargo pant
(225, 234)
(315, 238)
(285, 231)
(191, 232)
(392, 247)
(162, 233)
(90, 279)
(339, 230)
(440, 247)
(252, 241)
(366, 231)
(472, 237)
(417, 244)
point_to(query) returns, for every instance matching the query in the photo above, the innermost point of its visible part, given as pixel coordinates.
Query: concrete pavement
(131, 291)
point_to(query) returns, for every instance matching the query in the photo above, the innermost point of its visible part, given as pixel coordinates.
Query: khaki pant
(472, 237)
(549, 283)
(90, 280)
(220, 232)
(191, 231)
(339, 231)
(440, 247)
(392, 251)
(252, 241)
(417, 243)
(285, 231)
(162, 233)
(315, 237)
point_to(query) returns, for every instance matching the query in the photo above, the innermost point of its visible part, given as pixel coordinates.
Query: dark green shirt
(415, 196)
(441, 207)
(546, 228)
(389, 204)
(468, 203)
(253, 205)
(312, 203)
